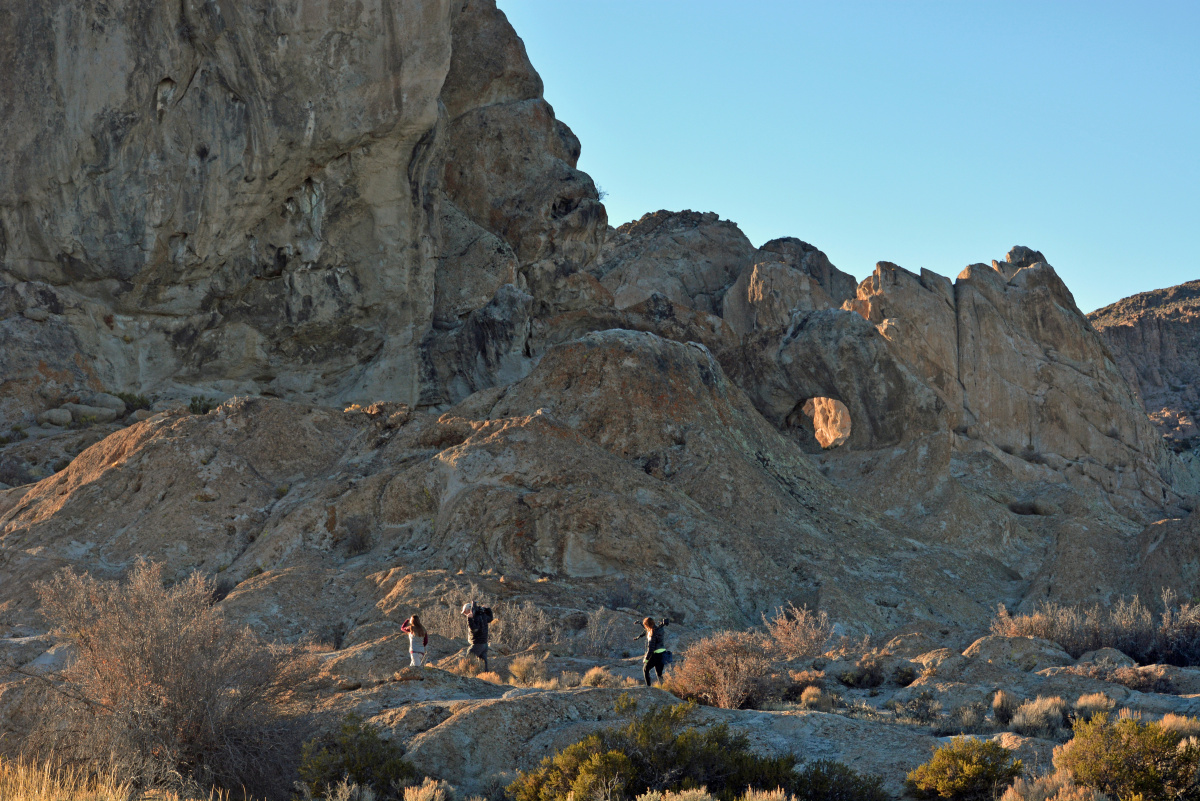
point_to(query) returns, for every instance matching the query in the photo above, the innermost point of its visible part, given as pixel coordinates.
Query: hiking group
(479, 617)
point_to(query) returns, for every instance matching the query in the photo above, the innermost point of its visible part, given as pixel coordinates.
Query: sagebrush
(164, 690)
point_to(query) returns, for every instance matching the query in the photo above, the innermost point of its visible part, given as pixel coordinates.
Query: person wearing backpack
(478, 617)
(418, 640)
(657, 655)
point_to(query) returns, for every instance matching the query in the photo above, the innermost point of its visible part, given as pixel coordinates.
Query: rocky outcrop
(1154, 338)
(248, 202)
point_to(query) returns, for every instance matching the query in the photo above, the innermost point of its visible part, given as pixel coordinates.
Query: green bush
(828, 780)
(356, 752)
(202, 405)
(965, 769)
(658, 751)
(1130, 758)
(133, 402)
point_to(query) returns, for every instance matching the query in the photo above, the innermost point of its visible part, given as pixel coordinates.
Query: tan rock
(765, 296)
(92, 414)
(830, 420)
(688, 257)
(1029, 654)
(1109, 655)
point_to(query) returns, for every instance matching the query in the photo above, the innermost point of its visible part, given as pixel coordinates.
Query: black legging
(652, 662)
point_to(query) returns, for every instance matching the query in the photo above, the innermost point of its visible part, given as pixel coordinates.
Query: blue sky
(930, 134)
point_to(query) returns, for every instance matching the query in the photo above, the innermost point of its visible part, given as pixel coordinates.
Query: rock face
(300, 202)
(1154, 338)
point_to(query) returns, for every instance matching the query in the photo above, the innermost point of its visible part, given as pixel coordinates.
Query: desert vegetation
(1171, 637)
(163, 691)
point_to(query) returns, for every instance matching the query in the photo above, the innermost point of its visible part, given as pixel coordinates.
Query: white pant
(418, 658)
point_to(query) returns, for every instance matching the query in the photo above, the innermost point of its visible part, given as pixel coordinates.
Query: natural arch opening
(828, 420)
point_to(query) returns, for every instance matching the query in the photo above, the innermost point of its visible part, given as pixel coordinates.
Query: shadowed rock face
(1155, 340)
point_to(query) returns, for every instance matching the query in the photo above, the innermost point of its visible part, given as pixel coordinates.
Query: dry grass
(491, 676)
(429, 790)
(25, 781)
(1127, 625)
(1093, 703)
(601, 677)
(468, 666)
(795, 633)
(1186, 726)
(528, 670)
(969, 719)
(728, 670)
(163, 691)
(815, 698)
(1004, 706)
(1056, 786)
(1042, 717)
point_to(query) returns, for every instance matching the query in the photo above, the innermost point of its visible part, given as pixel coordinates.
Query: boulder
(37, 315)
(92, 414)
(1028, 654)
(55, 417)
(107, 401)
(1109, 655)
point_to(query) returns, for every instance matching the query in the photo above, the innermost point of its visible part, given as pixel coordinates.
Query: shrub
(1127, 625)
(664, 754)
(1091, 703)
(600, 677)
(868, 672)
(828, 780)
(727, 670)
(801, 680)
(521, 626)
(922, 709)
(202, 405)
(429, 790)
(1042, 717)
(816, 698)
(528, 669)
(969, 718)
(1127, 758)
(603, 633)
(356, 753)
(965, 769)
(134, 402)
(904, 675)
(491, 676)
(1148, 679)
(795, 633)
(1004, 706)
(163, 689)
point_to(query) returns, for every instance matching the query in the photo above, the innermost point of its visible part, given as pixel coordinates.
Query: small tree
(965, 769)
(163, 688)
(1130, 758)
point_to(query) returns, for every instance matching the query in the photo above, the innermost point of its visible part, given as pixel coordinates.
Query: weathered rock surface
(1154, 338)
(299, 203)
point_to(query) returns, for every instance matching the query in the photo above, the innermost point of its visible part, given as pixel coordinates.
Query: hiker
(656, 654)
(418, 639)
(478, 618)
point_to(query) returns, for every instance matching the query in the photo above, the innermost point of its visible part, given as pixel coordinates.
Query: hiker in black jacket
(655, 650)
(478, 618)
